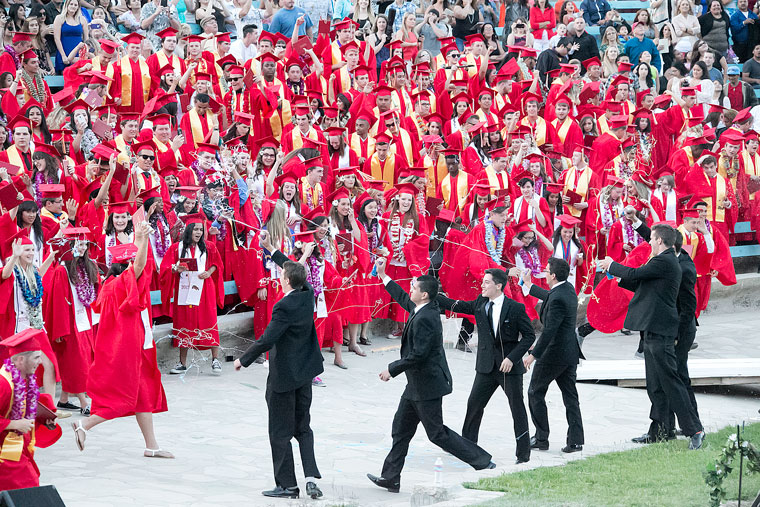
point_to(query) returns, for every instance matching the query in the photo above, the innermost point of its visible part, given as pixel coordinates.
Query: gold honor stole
(722, 171)
(124, 156)
(297, 137)
(14, 157)
(343, 74)
(435, 173)
(406, 141)
(283, 116)
(689, 241)
(539, 131)
(602, 124)
(197, 127)
(356, 144)
(719, 195)
(126, 80)
(385, 172)
(13, 445)
(462, 188)
(315, 192)
(563, 129)
(493, 179)
(163, 60)
(581, 188)
(751, 167)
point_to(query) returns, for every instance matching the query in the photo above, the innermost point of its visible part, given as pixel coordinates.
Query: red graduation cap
(119, 207)
(618, 121)
(524, 226)
(345, 48)
(167, 32)
(149, 193)
(446, 215)
(28, 340)
(286, 177)
(341, 193)
(144, 145)
(590, 62)
(624, 66)
(689, 212)
(133, 38)
(51, 190)
(207, 148)
(194, 218)
(481, 189)
(475, 37)
(527, 52)
(661, 101)
(23, 235)
(616, 182)
(554, 188)
(383, 91)
(22, 37)
(46, 148)
(189, 191)
(407, 188)
(383, 138)
(19, 121)
(122, 254)
(743, 116)
(228, 59)
(568, 221)
(222, 37)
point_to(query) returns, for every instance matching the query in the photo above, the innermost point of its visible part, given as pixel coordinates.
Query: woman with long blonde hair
(70, 30)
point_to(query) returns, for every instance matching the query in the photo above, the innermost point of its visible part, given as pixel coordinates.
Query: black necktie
(489, 313)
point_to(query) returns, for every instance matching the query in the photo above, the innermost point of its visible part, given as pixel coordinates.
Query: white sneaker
(216, 367)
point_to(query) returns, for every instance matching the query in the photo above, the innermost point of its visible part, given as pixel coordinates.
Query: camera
(520, 25)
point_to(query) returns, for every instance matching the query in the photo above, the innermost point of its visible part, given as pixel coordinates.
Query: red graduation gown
(24, 472)
(124, 378)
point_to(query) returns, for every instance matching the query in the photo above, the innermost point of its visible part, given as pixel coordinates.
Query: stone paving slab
(216, 426)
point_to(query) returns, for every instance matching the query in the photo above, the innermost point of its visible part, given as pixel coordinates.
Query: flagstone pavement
(217, 428)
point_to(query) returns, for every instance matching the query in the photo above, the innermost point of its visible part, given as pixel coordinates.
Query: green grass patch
(662, 475)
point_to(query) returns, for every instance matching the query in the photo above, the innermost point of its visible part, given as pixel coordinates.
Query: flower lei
(9, 49)
(40, 179)
(530, 258)
(84, 287)
(32, 298)
(494, 251)
(312, 275)
(35, 85)
(715, 473)
(374, 241)
(630, 235)
(608, 217)
(25, 393)
(399, 235)
(162, 240)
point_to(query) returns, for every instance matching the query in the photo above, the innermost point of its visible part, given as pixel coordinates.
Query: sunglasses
(148, 157)
(235, 78)
(389, 125)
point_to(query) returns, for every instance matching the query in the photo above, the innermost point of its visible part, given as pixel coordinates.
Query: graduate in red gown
(21, 431)
(124, 378)
(131, 77)
(191, 288)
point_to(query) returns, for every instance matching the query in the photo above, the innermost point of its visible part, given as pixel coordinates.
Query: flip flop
(158, 453)
(77, 427)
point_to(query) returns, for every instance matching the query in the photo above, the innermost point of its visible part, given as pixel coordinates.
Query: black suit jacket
(422, 356)
(558, 343)
(655, 286)
(492, 350)
(295, 358)
(686, 302)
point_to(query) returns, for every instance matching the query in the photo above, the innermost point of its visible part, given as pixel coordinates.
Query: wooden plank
(698, 381)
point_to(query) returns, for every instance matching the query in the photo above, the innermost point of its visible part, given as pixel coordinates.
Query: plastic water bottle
(438, 473)
(374, 271)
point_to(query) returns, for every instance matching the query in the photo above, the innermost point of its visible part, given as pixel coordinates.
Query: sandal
(363, 340)
(342, 366)
(356, 350)
(77, 426)
(158, 453)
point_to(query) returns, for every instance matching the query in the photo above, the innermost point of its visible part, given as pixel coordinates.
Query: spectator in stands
(552, 58)
(317, 9)
(131, 19)
(112, 11)
(488, 11)
(609, 38)
(32, 25)
(70, 30)
(642, 17)
(665, 45)
(514, 10)
(494, 46)
(244, 47)
(379, 38)
(344, 8)
(16, 17)
(751, 68)
(430, 30)
(244, 12)
(466, 17)
(698, 52)
(738, 94)
(609, 61)
(543, 20)
(661, 11)
(284, 20)
(643, 79)
(685, 24)
(519, 35)
(638, 44)
(584, 44)
(216, 10)
(408, 37)
(715, 27)
(740, 22)
(709, 60)
(700, 77)
(363, 15)
(154, 18)
(558, 34)
(401, 7)
(101, 27)
(595, 11)
(567, 12)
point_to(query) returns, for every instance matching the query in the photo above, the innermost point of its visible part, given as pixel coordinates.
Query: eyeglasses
(389, 125)
(268, 155)
(148, 157)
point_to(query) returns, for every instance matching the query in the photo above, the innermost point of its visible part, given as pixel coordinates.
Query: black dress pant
(482, 389)
(288, 418)
(686, 334)
(564, 375)
(429, 412)
(665, 387)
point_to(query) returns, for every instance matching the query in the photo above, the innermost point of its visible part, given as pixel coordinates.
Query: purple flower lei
(9, 49)
(25, 393)
(159, 234)
(313, 276)
(40, 179)
(85, 289)
(529, 257)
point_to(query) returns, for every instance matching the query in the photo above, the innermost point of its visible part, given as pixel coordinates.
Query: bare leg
(82, 400)
(48, 376)
(64, 397)
(338, 353)
(145, 421)
(183, 356)
(92, 421)
(215, 352)
(352, 345)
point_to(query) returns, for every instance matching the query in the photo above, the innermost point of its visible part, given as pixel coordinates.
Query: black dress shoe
(313, 491)
(541, 445)
(643, 439)
(521, 460)
(280, 492)
(463, 347)
(67, 406)
(392, 486)
(490, 466)
(695, 441)
(572, 448)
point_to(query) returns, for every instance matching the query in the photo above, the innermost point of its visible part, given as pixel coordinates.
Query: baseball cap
(733, 70)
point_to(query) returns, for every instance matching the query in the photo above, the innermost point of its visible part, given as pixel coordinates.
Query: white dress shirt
(497, 304)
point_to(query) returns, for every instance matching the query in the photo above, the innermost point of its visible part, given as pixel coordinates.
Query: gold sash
(719, 213)
(13, 445)
(751, 167)
(297, 137)
(581, 188)
(406, 141)
(14, 157)
(355, 143)
(307, 189)
(539, 131)
(563, 129)
(693, 241)
(197, 127)
(462, 188)
(126, 80)
(601, 122)
(436, 172)
(386, 172)
(163, 60)
(493, 179)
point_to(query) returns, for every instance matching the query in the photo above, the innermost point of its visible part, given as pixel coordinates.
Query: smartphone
(164, 3)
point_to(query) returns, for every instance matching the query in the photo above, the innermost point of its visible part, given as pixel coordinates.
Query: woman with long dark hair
(569, 247)
(191, 275)
(72, 327)
(118, 230)
(531, 251)
(367, 212)
(41, 133)
(26, 216)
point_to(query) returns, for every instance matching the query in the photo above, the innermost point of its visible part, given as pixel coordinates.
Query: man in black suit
(294, 361)
(501, 321)
(654, 311)
(428, 380)
(556, 354)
